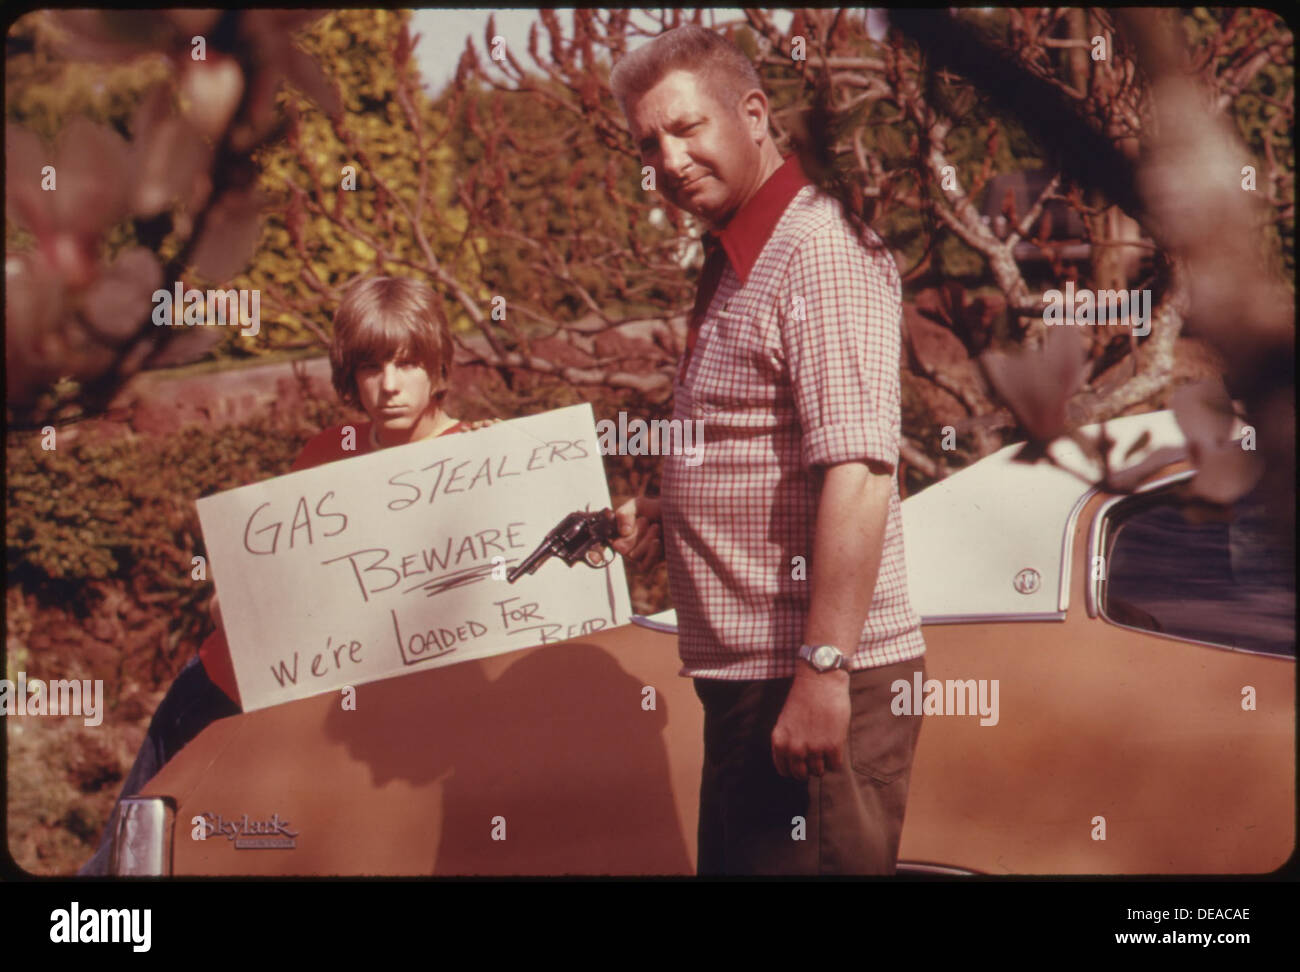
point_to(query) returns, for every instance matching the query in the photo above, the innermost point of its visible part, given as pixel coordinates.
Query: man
(784, 548)
(390, 356)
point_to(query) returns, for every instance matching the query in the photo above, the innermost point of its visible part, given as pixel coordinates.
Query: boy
(390, 356)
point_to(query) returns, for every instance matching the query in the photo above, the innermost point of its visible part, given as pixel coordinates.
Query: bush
(104, 520)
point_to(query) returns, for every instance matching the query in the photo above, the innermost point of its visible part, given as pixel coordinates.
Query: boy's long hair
(382, 318)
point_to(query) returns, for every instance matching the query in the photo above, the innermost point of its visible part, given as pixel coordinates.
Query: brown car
(1111, 690)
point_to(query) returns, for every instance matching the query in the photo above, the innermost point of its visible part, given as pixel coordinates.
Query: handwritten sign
(384, 563)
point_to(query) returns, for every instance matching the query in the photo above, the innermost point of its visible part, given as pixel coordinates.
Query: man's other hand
(640, 531)
(811, 731)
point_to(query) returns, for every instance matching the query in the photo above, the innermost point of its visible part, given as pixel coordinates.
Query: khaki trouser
(852, 818)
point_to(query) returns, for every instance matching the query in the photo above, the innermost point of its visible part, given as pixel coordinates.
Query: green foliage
(65, 518)
(355, 50)
(121, 509)
(552, 183)
(44, 90)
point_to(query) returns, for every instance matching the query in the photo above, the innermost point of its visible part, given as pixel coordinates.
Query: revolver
(579, 536)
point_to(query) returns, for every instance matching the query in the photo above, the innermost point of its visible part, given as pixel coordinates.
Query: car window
(1227, 579)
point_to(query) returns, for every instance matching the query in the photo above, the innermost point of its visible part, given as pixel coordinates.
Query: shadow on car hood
(544, 761)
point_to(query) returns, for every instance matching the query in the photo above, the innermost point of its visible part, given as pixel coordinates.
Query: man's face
(396, 394)
(706, 158)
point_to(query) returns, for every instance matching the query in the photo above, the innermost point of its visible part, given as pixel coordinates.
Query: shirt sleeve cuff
(833, 444)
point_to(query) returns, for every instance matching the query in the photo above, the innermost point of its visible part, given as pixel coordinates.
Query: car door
(1150, 730)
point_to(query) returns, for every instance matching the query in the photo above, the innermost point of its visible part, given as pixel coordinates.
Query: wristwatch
(824, 658)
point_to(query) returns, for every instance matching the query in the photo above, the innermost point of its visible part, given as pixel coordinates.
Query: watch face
(824, 657)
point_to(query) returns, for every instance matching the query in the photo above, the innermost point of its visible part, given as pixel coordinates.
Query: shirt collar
(748, 231)
(374, 435)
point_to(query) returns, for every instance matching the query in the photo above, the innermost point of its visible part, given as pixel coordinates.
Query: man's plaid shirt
(795, 364)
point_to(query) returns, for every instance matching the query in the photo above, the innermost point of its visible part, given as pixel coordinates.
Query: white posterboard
(382, 564)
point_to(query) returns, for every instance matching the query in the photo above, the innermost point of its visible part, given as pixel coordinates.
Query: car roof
(991, 541)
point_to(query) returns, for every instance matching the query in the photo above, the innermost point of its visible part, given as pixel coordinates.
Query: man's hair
(725, 69)
(380, 318)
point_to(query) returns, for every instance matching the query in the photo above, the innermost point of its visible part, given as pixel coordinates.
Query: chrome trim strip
(1093, 587)
(647, 622)
(1201, 644)
(1070, 522)
(1067, 547)
(921, 867)
(972, 618)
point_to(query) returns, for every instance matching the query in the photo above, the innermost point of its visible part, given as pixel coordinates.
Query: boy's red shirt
(325, 446)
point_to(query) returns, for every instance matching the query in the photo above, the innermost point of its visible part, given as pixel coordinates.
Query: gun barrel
(572, 539)
(531, 562)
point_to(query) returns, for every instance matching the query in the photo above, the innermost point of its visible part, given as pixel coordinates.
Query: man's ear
(754, 109)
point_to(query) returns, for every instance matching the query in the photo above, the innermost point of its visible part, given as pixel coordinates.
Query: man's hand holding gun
(633, 531)
(640, 531)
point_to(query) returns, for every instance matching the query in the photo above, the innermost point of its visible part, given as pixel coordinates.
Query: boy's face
(397, 394)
